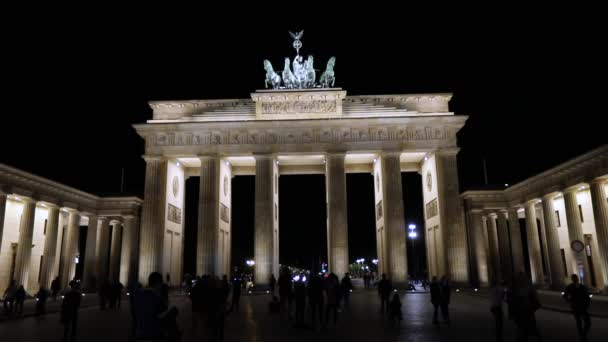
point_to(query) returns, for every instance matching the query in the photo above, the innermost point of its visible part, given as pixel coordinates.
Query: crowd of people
(324, 297)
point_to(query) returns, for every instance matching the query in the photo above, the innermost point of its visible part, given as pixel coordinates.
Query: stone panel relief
(379, 210)
(174, 214)
(431, 209)
(224, 213)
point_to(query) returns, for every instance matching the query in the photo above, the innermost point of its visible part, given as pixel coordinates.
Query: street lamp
(413, 235)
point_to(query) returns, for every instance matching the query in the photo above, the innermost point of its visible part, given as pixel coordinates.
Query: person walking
(435, 298)
(332, 292)
(69, 311)
(315, 299)
(446, 293)
(41, 297)
(9, 297)
(497, 297)
(272, 284)
(384, 291)
(523, 303)
(346, 286)
(55, 288)
(236, 293)
(395, 316)
(300, 299)
(19, 300)
(577, 295)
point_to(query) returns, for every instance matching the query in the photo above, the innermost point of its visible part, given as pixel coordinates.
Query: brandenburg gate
(301, 131)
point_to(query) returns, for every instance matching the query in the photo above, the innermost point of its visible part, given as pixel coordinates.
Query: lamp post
(413, 235)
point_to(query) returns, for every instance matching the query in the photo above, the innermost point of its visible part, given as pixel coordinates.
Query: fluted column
(208, 211)
(394, 216)
(89, 276)
(504, 249)
(493, 248)
(264, 237)
(115, 251)
(24, 247)
(517, 249)
(480, 258)
(534, 252)
(50, 246)
(600, 216)
(102, 249)
(2, 214)
(153, 219)
(575, 232)
(71, 249)
(555, 260)
(337, 225)
(128, 255)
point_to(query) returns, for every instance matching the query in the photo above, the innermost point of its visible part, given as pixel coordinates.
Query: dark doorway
(411, 183)
(361, 218)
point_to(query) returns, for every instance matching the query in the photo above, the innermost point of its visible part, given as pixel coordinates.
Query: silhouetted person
(274, 306)
(154, 319)
(118, 287)
(104, 295)
(435, 298)
(300, 298)
(395, 315)
(446, 293)
(19, 300)
(332, 291)
(578, 296)
(497, 297)
(55, 288)
(236, 293)
(366, 280)
(346, 287)
(285, 292)
(315, 299)
(41, 297)
(9, 297)
(384, 291)
(523, 303)
(69, 311)
(272, 284)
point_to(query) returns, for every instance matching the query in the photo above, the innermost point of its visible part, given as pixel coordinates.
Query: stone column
(208, 211)
(71, 249)
(50, 246)
(493, 248)
(115, 251)
(575, 232)
(452, 216)
(600, 216)
(153, 219)
(517, 249)
(504, 250)
(534, 252)
(555, 260)
(394, 216)
(24, 247)
(101, 250)
(543, 243)
(480, 258)
(264, 239)
(337, 225)
(2, 214)
(89, 277)
(128, 255)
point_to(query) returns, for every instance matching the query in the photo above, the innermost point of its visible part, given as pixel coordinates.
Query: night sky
(75, 77)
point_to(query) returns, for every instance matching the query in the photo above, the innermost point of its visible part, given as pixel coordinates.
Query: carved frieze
(273, 136)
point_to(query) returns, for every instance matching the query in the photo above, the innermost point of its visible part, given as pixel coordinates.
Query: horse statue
(310, 73)
(328, 77)
(271, 77)
(289, 79)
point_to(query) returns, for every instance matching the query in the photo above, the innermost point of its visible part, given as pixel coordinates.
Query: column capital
(150, 158)
(447, 151)
(599, 180)
(129, 216)
(103, 218)
(116, 221)
(572, 189)
(263, 156)
(476, 211)
(549, 196)
(203, 157)
(532, 201)
(335, 154)
(390, 153)
(492, 214)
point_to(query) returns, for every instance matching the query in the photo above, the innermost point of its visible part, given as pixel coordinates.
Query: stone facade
(40, 224)
(559, 209)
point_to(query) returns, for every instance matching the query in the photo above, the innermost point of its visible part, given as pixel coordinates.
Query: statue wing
(296, 35)
(293, 35)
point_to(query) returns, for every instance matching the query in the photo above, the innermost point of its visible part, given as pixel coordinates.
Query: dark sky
(75, 77)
